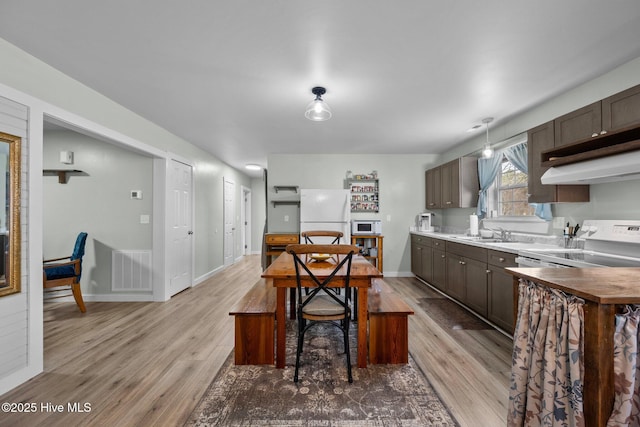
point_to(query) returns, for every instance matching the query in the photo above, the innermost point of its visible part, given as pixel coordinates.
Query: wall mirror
(10, 255)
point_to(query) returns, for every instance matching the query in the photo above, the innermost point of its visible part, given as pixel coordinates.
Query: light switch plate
(145, 219)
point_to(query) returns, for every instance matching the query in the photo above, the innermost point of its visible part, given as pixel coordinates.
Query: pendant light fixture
(487, 151)
(318, 110)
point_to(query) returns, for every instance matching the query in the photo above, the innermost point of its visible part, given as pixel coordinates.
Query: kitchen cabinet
(583, 123)
(613, 114)
(467, 275)
(540, 139)
(276, 243)
(433, 185)
(500, 289)
(472, 275)
(453, 185)
(421, 257)
(622, 110)
(439, 265)
(371, 248)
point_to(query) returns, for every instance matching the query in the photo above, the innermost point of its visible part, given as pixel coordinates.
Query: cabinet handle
(462, 262)
(488, 271)
(447, 203)
(442, 256)
(436, 243)
(603, 132)
(593, 135)
(501, 259)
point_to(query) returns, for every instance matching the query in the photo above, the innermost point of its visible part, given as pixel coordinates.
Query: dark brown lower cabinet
(500, 289)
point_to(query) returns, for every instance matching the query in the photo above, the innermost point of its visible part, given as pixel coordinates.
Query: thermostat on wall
(136, 194)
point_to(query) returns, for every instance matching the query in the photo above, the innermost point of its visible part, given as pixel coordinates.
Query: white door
(229, 222)
(180, 220)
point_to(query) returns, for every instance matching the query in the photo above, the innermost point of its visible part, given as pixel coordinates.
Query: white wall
(45, 91)
(98, 201)
(402, 194)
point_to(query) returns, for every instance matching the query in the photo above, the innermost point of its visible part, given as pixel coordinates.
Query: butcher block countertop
(600, 285)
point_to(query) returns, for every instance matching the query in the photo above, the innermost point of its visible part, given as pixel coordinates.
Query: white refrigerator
(326, 210)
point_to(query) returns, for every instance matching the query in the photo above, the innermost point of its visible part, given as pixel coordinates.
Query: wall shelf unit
(364, 192)
(62, 174)
(285, 202)
(278, 188)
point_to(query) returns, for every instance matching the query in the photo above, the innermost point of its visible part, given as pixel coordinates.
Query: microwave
(366, 227)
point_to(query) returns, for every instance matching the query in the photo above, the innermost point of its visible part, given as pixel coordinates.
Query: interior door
(180, 220)
(229, 222)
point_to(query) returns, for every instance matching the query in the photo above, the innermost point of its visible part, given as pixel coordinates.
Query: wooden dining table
(283, 275)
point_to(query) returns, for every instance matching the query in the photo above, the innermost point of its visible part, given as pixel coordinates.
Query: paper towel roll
(473, 225)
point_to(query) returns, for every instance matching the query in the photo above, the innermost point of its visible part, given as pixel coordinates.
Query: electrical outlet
(558, 222)
(286, 218)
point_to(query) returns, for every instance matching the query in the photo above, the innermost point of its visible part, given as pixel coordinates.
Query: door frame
(160, 164)
(226, 180)
(245, 219)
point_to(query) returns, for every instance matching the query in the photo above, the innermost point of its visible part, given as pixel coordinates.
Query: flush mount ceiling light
(253, 167)
(318, 110)
(487, 151)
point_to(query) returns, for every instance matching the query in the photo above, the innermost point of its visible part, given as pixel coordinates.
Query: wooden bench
(388, 325)
(255, 316)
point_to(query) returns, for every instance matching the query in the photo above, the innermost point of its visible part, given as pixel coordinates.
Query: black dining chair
(335, 235)
(323, 303)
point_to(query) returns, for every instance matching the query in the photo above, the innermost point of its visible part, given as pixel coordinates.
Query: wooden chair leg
(77, 294)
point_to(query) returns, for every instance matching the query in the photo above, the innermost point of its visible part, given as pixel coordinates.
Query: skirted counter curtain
(488, 170)
(547, 363)
(626, 372)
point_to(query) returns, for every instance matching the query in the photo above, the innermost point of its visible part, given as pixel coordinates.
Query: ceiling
(234, 76)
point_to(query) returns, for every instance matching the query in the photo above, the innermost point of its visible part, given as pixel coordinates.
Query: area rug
(450, 315)
(381, 395)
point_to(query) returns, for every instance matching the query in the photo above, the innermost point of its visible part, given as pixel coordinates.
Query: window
(512, 191)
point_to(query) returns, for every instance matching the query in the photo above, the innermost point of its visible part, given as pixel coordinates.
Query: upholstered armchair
(56, 274)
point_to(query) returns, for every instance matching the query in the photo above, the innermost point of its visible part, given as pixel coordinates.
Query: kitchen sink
(522, 245)
(477, 239)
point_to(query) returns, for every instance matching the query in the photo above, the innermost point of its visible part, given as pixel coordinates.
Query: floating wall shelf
(285, 202)
(63, 174)
(293, 188)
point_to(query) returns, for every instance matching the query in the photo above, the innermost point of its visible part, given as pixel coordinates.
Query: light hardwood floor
(144, 364)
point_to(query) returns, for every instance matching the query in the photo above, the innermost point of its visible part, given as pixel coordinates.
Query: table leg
(363, 304)
(281, 328)
(292, 303)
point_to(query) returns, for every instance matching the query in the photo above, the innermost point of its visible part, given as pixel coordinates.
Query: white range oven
(607, 243)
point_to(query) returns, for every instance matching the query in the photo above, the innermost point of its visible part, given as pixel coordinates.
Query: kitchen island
(605, 291)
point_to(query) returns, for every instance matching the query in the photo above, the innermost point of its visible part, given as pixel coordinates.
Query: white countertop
(511, 247)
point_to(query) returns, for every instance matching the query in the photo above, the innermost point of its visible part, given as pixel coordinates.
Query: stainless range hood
(619, 167)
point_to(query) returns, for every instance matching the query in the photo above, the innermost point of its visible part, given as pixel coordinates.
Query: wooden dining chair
(322, 303)
(335, 235)
(66, 274)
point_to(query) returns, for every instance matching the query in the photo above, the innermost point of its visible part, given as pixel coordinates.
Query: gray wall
(98, 202)
(402, 194)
